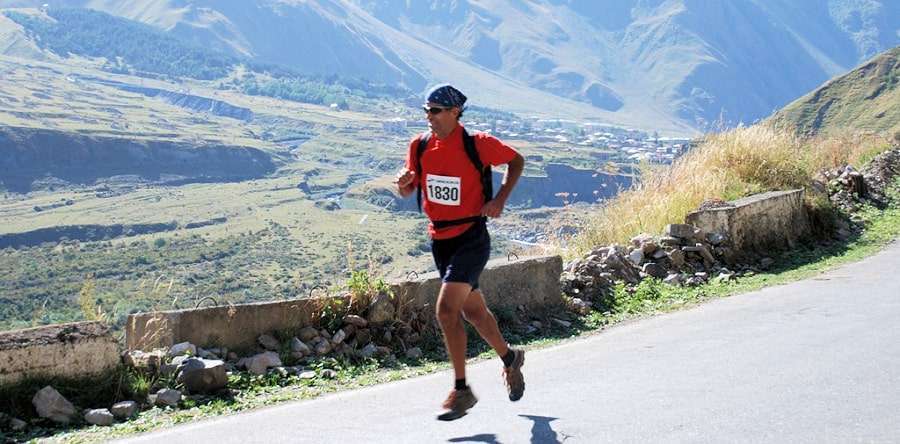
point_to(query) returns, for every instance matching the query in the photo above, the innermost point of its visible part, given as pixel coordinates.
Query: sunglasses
(434, 109)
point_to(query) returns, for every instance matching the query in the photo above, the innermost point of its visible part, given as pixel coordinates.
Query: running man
(455, 197)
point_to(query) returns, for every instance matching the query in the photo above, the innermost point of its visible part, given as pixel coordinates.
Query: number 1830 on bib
(444, 190)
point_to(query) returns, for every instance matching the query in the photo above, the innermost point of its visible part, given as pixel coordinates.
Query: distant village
(612, 143)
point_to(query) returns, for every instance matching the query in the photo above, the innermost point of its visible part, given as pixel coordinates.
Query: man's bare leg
(450, 302)
(476, 312)
(449, 310)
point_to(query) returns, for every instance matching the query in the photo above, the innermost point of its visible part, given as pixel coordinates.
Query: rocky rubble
(848, 188)
(684, 255)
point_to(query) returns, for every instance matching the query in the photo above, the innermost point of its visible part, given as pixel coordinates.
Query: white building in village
(394, 126)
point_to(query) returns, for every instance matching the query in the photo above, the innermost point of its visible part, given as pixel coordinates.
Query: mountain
(674, 65)
(867, 98)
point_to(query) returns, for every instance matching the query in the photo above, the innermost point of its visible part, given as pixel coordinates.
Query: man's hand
(405, 181)
(405, 178)
(493, 208)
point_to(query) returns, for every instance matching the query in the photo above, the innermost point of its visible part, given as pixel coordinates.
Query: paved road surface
(814, 361)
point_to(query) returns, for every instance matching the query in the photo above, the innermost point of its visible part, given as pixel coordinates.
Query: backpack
(487, 181)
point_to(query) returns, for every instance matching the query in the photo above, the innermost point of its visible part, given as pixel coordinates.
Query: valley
(144, 193)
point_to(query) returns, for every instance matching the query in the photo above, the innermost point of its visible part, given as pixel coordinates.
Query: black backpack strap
(487, 179)
(423, 144)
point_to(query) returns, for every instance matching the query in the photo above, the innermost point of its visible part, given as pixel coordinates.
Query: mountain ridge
(683, 66)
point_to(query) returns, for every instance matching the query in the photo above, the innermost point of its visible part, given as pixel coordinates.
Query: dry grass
(724, 166)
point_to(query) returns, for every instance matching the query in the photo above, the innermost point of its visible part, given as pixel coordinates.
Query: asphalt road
(814, 361)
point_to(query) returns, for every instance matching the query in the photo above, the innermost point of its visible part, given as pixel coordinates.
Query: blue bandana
(446, 95)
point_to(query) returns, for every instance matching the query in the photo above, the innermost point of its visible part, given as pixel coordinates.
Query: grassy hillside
(866, 99)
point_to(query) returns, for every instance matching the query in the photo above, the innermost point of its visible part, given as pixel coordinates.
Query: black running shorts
(462, 258)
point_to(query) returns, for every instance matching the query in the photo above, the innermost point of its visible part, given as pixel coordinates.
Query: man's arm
(494, 208)
(405, 181)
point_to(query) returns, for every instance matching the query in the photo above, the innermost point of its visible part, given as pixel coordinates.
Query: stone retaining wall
(530, 282)
(506, 284)
(232, 326)
(758, 223)
(77, 350)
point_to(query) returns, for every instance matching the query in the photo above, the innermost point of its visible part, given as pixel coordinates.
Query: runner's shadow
(489, 438)
(541, 432)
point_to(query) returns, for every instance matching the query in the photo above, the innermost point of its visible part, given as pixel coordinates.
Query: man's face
(441, 119)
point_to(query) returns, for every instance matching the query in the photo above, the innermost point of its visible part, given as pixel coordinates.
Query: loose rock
(356, 321)
(307, 334)
(414, 353)
(339, 337)
(51, 405)
(99, 417)
(363, 336)
(258, 364)
(676, 257)
(144, 361)
(322, 347)
(681, 231)
(202, 375)
(636, 256)
(207, 354)
(579, 306)
(673, 279)
(655, 270)
(124, 409)
(171, 367)
(182, 348)
(298, 346)
(168, 398)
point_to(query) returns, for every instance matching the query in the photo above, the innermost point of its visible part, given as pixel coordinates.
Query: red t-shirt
(450, 184)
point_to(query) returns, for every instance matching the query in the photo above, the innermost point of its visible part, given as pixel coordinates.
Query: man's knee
(446, 313)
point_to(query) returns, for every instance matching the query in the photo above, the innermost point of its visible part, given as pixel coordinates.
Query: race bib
(444, 190)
